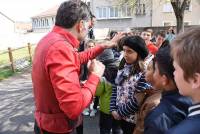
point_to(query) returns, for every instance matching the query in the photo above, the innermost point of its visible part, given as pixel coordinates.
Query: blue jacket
(190, 125)
(173, 108)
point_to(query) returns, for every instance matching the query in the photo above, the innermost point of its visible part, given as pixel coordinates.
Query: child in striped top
(130, 79)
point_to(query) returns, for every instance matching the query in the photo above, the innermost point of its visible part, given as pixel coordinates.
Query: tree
(179, 10)
(178, 7)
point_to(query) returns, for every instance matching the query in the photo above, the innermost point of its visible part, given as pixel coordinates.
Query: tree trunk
(179, 8)
(180, 23)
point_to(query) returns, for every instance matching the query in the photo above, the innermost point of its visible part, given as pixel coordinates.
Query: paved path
(17, 106)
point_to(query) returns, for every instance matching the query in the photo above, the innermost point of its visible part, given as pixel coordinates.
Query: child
(104, 91)
(84, 70)
(160, 38)
(172, 108)
(152, 99)
(185, 51)
(147, 35)
(129, 80)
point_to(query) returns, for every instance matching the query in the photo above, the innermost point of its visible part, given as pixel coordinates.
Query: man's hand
(116, 115)
(96, 67)
(114, 41)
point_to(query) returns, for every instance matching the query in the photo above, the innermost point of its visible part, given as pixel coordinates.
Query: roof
(50, 12)
(7, 17)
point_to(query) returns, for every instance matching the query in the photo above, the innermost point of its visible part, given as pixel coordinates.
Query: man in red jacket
(59, 96)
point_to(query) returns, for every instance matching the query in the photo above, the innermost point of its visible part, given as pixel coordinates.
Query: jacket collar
(169, 93)
(69, 37)
(194, 110)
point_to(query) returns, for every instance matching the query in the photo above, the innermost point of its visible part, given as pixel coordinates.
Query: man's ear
(195, 81)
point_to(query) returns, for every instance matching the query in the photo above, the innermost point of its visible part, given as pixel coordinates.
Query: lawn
(5, 73)
(5, 69)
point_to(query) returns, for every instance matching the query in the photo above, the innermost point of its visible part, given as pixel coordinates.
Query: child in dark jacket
(172, 108)
(130, 79)
(185, 51)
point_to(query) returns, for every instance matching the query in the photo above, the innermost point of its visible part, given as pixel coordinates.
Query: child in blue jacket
(173, 107)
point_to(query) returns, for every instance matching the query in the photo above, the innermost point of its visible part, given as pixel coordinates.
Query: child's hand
(116, 115)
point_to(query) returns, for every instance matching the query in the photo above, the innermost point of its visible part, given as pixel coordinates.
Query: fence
(17, 59)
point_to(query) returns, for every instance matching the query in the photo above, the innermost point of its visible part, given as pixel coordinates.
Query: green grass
(17, 54)
(6, 72)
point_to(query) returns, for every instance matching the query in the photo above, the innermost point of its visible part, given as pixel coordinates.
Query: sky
(23, 10)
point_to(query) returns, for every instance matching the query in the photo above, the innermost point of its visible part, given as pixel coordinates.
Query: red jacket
(58, 95)
(152, 48)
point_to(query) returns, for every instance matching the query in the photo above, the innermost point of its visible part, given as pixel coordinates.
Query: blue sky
(22, 10)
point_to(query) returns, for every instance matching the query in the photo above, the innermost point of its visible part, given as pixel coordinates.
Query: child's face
(90, 45)
(159, 40)
(149, 73)
(159, 81)
(184, 87)
(129, 55)
(146, 36)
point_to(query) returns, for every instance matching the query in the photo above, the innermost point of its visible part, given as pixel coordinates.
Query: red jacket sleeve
(90, 54)
(63, 67)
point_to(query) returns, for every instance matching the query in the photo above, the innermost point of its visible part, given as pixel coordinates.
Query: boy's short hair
(164, 62)
(185, 50)
(149, 30)
(161, 33)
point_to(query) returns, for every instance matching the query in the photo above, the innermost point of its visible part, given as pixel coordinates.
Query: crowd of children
(154, 88)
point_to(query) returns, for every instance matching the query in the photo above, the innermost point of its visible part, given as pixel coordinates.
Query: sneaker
(86, 112)
(93, 112)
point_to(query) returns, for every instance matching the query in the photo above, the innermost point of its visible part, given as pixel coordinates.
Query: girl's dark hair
(164, 62)
(70, 12)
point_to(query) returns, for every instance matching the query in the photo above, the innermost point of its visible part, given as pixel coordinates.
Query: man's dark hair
(164, 62)
(70, 12)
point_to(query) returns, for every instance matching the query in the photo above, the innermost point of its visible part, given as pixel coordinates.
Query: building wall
(161, 13)
(123, 22)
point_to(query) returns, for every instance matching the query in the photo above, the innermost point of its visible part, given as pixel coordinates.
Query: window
(167, 7)
(101, 12)
(140, 9)
(46, 22)
(113, 12)
(188, 6)
(42, 23)
(39, 23)
(104, 13)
